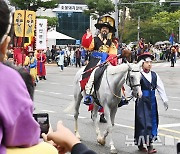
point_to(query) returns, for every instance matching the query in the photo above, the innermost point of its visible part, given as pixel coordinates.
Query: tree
(33, 5)
(168, 21)
(97, 8)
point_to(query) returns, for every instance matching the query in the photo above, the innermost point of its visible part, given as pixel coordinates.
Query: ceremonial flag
(19, 23)
(41, 33)
(24, 23)
(30, 23)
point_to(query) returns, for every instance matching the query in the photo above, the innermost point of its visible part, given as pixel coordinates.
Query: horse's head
(133, 79)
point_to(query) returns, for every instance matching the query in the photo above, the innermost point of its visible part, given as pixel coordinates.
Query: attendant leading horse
(109, 95)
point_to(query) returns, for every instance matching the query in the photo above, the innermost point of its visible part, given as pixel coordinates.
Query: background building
(71, 20)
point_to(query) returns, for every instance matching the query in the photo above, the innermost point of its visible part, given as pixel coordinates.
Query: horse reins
(126, 82)
(113, 92)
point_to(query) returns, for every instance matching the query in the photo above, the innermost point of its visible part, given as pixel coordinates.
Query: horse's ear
(140, 63)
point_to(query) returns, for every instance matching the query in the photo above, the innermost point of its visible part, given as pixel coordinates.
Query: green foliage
(168, 21)
(52, 21)
(152, 32)
(158, 21)
(147, 8)
(98, 8)
(33, 5)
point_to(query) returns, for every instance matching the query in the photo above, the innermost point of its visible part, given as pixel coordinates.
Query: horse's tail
(71, 108)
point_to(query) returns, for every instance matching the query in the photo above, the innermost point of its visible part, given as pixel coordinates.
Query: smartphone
(43, 120)
(178, 148)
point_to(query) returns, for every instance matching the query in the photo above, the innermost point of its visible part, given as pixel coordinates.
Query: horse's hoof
(101, 141)
(113, 151)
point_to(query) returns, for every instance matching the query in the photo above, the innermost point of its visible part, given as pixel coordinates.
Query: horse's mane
(117, 69)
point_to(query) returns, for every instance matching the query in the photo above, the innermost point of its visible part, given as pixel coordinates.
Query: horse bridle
(130, 97)
(128, 79)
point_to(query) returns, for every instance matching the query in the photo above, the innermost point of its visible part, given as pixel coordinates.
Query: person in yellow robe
(31, 64)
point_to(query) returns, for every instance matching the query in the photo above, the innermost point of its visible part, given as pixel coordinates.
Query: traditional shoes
(149, 149)
(142, 149)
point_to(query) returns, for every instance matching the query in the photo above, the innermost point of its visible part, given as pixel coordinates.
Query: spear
(91, 69)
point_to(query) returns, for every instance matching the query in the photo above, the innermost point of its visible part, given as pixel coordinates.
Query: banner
(30, 23)
(19, 23)
(24, 23)
(41, 33)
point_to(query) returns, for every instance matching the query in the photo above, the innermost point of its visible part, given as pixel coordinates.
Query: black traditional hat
(106, 21)
(144, 56)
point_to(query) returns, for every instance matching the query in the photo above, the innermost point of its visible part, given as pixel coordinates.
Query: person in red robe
(41, 69)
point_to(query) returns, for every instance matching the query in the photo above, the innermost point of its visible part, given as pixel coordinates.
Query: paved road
(56, 93)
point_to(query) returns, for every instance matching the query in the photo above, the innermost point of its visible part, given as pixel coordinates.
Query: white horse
(109, 95)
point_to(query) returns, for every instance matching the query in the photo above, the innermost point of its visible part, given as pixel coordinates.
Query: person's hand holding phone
(63, 139)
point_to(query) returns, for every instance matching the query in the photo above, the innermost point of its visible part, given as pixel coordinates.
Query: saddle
(98, 76)
(97, 82)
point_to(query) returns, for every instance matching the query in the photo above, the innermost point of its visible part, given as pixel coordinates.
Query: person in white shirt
(146, 112)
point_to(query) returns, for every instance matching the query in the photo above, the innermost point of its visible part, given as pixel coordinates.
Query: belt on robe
(148, 93)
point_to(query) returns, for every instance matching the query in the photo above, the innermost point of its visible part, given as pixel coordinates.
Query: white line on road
(173, 97)
(125, 126)
(169, 125)
(53, 83)
(71, 95)
(48, 111)
(55, 93)
(175, 109)
(70, 115)
(39, 91)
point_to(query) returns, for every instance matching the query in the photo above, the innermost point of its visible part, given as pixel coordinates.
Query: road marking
(53, 83)
(173, 97)
(71, 95)
(48, 111)
(165, 129)
(174, 137)
(125, 126)
(39, 91)
(70, 85)
(55, 93)
(169, 125)
(170, 130)
(70, 115)
(175, 109)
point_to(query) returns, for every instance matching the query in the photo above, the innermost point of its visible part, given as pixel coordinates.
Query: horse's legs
(112, 116)
(110, 122)
(94, 117)
(77, 99)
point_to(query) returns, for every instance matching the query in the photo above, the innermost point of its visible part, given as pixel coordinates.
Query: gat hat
(106, 21)
(144, 56)
(30, 49)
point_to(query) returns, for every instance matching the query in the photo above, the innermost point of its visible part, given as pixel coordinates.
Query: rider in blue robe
(146, 111)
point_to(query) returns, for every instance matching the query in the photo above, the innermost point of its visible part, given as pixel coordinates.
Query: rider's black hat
(106, 21)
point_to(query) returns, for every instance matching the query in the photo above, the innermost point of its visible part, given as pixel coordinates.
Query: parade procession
(89, 77)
